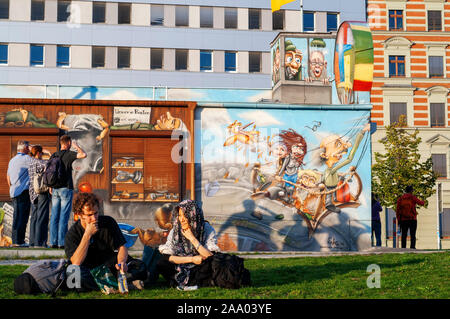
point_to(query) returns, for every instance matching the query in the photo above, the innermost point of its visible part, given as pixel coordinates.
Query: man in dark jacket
(407, 215)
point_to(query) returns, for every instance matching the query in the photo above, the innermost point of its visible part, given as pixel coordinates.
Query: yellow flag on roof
(276, 4)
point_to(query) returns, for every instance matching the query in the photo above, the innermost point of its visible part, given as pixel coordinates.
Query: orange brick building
(412, 77)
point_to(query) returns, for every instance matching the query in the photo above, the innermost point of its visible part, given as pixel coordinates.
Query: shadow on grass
(282, 275)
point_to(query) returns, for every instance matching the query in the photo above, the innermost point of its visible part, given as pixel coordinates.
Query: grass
(403, 276)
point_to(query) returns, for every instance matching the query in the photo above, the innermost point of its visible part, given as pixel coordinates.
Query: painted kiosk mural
(137, 159)
(293, 174)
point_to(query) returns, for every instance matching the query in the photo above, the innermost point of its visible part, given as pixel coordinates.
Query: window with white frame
(278, 20)
(437, 114)
(254, 62)
(254, 19)
(62, 56)
(308, 22)
(205, 61)
(230, 61)
(3, 53)
(332, 21)
(36, 55)
(395, 110)
(439, 165)
(230, 18)
(434, 20)
(436, 66)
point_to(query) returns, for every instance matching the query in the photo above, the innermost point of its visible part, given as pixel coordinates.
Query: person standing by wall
(18, 183)
(407, 215)
(376, 221)
(40, 202)
(62, 196)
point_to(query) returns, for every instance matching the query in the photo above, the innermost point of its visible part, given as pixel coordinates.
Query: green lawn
(413, 276)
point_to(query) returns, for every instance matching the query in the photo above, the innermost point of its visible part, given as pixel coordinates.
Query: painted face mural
(317, 65)
(275, 188)
(292, 61)
(276, 63)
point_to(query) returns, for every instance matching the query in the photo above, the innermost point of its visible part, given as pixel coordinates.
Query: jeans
(150, 257)
(21, 205)
(376, 228)
(59, 219)
(39, 220)
(412, 226)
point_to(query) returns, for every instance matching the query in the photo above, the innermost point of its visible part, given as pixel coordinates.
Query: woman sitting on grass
(188, 244)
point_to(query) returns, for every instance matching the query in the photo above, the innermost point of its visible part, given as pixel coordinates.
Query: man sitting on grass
(93, 240)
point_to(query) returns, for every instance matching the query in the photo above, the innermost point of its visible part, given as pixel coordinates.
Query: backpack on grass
(44, 276)
(55, 172)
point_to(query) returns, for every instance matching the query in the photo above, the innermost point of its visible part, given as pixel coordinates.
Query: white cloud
(123, 95)
(184, 95)
(261, 118)
(267, 95)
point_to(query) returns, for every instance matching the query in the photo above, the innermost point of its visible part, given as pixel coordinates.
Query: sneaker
(187, 288)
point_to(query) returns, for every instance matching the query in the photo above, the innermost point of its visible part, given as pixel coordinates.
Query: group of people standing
(22, 170)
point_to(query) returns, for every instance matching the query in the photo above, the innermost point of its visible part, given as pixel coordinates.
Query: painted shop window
(230, 61)
(278, 20)
(395, 20)
(436, 66)
(62, 56)
(254, 62)
(63, 11)
(205, 60)
(3, 54)
(254, 19)
(156, 59)
(36, 55)
(140, 174)
(230, 18)
(434, 20)
(98, 12)
(4, 9)
(439, 165)
(157, 14)
(395, 110)
(37, 10)
(182, 16)
(332, 22)
(206, 17)
(123, 58)
(124, 13)
(308, 21)
(98, 57)
(437, 114)
(181, 60)
(396, 66)
(445, 223)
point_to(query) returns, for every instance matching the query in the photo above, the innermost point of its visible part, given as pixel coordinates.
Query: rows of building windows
(396, 20)
(437, 113)
(124, 15)
(397, 66)
(157, 60)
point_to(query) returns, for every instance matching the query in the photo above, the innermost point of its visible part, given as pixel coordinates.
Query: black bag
(44, 276)
(228, 271)
(55, 172)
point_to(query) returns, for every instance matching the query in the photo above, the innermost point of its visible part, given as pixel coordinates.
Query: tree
(400, 166)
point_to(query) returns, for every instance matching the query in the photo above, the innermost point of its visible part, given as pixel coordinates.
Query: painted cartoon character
(305, 201)
(292, 62)
(168, 122)
(318, 67)
(239, 134)
(276, 65)
(333, 147)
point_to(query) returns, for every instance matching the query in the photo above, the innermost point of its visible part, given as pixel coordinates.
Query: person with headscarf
(190, 241)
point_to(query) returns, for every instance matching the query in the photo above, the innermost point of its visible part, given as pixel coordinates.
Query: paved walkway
(17, 256)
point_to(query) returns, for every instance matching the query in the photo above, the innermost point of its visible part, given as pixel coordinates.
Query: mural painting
(276, 63)
(286, 179)
(308, 59)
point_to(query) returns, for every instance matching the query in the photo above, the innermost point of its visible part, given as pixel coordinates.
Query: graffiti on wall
(283, 180)
(276, 63)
